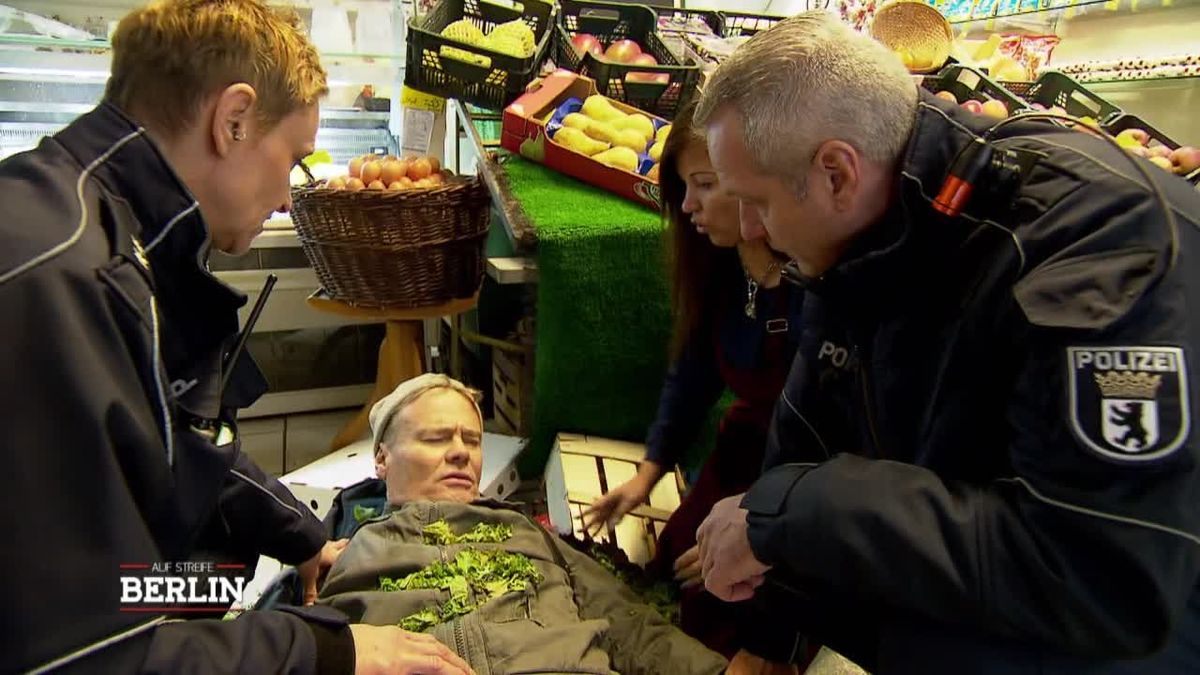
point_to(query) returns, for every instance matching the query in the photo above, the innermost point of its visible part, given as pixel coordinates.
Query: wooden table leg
(399, 360)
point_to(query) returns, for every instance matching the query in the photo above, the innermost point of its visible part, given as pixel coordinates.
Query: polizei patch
(1129, 403)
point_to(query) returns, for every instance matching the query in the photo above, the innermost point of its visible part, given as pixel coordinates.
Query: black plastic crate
(1053, 88)
(493, 86)
(727, 24)
(710, 17)
(1126, 121)
(967, 83)
(608, 22)
(734, 24)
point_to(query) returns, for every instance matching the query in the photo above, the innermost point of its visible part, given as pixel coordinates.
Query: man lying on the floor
(486, 581)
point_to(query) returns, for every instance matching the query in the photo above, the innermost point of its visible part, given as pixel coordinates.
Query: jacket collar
(911, 243)
(197, 312)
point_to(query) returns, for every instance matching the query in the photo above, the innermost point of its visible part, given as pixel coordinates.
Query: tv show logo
(189, 586)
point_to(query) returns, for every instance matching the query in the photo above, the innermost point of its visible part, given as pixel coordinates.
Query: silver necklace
(752, 288)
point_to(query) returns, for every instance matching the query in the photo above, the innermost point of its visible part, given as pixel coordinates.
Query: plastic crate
(968, 83)
(710, 17)
(1053, 88)
(609, 22)
(1127, 121)
(491, 87)
(734, 24)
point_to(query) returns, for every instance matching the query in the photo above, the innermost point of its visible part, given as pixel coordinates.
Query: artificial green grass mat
(603, 316)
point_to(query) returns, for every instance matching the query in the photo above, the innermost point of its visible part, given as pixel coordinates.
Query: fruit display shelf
(619, 47)
(567, 126)
(450, 54)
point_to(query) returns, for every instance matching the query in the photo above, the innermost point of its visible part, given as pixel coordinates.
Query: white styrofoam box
(574, 481)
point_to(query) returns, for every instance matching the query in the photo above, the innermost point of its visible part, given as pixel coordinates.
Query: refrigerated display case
(54, 63)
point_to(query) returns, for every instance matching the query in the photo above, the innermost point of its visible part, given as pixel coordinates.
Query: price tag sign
(412, 99)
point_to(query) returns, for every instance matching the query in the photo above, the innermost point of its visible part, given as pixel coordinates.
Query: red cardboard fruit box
(525, 132)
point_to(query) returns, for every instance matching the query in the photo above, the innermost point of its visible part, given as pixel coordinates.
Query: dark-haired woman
(734, 327)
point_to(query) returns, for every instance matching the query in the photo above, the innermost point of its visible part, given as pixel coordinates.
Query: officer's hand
(313, 570)
(388, 650)
(745, 663)
(688, 568)
(728, 566)
(612, 507)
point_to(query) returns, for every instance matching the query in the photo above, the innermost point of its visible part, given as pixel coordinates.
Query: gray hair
(807, 80)
(423, 385)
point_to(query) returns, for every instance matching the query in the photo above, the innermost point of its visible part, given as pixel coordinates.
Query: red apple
(973, 106)
(646, 60)
(1186, 158)
(622, 51)
(586, 42)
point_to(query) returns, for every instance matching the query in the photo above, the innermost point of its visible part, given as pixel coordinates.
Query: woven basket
(915, 27)
(395, 249)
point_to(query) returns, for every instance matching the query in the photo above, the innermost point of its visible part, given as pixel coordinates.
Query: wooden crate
(582, 468)
(512, 392)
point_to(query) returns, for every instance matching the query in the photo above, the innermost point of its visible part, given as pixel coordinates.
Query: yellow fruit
(652, 174)
(656, 151)
(574, 139)
(506, 44)
(632, 139)
(995, 108)
(519, 31)
(577, 121)
(599, 108)
(1006, 69)
(602, 131)
(465, 56)
(639, 123)
(464, 31)
(906, 57)
(618, 157)
(663, 132)
(922, 61)
(1127, 142)
(1161, 162)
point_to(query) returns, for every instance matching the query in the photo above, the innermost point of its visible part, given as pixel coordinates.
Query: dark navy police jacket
(985, 458)
(114, 337)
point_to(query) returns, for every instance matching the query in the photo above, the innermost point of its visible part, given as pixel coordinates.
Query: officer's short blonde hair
(807, 80)
(171, 55)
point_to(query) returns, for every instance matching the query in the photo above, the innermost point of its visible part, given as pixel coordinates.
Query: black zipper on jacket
(460, 641)
(863, 359)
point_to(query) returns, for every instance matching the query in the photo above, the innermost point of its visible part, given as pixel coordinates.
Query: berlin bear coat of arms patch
(1129, 403)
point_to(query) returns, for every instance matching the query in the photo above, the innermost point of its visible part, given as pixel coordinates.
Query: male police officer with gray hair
(984, 459)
